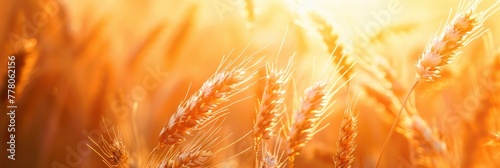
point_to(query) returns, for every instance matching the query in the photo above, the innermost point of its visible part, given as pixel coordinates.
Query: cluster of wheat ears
(189, 138)
(287, 119)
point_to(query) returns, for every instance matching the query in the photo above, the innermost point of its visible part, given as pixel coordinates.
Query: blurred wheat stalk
(279, 109)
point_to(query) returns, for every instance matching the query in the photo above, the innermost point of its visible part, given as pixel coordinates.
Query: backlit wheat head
(465, 26)
(306, 118)
(270, 106)
(202, 105)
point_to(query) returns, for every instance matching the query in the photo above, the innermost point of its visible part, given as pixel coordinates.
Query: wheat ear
(427, 149)
(114, 153)
(346, 145)
(465, 27)
(306, 119)
(443, 49)
(334, 46)
(202, 105)
(270, 105)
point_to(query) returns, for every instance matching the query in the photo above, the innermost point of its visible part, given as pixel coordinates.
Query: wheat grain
(306, 119)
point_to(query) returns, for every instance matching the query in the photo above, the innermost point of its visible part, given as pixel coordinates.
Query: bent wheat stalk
(444, 48)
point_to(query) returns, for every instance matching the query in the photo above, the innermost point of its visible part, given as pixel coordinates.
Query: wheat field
(251, 83)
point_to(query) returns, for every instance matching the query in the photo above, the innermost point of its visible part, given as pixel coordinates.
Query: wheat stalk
(306, 119)
(465, 27)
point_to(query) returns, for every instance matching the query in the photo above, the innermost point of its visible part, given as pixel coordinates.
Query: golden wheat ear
(466, 26)
(346, 144)
(270, 105)
(340, 56)
(203, 105)
(306, 119)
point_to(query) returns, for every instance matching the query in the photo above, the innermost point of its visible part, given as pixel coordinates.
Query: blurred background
(81, 66)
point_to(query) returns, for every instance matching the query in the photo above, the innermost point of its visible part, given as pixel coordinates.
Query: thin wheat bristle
(346, 145)
(444, 47)
(201, 106)
(306, 119)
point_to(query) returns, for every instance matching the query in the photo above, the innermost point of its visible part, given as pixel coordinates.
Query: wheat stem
(396, 121)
